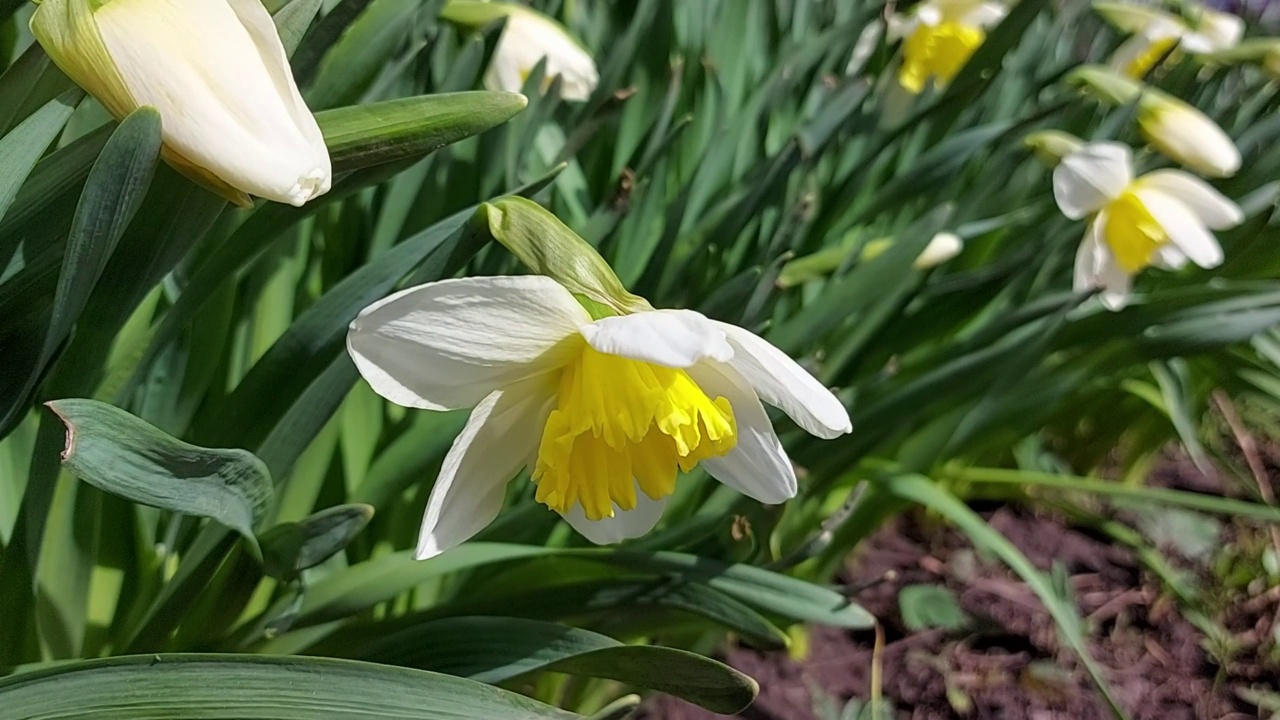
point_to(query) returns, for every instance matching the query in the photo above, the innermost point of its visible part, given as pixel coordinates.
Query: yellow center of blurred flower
(937, 51)
(1132, 233)
(1144, 62)
(620, 423)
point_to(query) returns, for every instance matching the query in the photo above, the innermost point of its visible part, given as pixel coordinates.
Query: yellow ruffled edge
(69, 34)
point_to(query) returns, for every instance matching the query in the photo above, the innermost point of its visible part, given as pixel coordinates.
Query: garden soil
(1007, 662)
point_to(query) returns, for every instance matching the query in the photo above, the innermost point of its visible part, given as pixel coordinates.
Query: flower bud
(1186, 135)
(216, 71)
(943, 247)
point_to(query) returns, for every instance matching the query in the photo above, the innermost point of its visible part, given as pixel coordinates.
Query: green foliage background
(734, 160)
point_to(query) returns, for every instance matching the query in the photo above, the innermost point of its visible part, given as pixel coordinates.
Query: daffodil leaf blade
(755, 586)
(122, 454)
(291, 547)
(499, 649)
(112, 196)
(313, 45)
(21, 148)
(26, 85)
(292, 21)
(363, 135)
(195, 686)
(361, 52)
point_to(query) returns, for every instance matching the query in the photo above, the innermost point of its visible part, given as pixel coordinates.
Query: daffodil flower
(940, 37)
(604, 410)
(217, 73)
(528, 38)
(1155, 32)
(1163, 218)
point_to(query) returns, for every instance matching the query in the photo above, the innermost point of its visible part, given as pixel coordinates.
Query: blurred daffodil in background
(1161, 219)
(939, 37)
(1177, 129)
(528, 38)
(217, 73)
(1155, 32)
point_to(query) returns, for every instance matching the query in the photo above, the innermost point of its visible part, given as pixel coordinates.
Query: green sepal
(474, 14)
(548, 247)
(1050, 146)
(1106, 83)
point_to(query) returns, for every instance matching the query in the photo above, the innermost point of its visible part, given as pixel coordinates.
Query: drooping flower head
(529, 37)
(605, 407)
(217, 73)
(939, 38)
(1161, 219)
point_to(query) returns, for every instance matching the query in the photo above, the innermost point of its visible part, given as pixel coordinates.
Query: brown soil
(1008, 662)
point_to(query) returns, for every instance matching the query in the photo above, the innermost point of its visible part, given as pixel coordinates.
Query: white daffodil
(604, 411)
(1200, 31)
(217, 73)
(530, 36)
(940, 37)
(1163, 218)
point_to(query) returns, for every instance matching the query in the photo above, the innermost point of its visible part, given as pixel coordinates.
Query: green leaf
(291, 547)
(925, 607)
(364, 135)
(29, 83)
(249, 687)
(363, 586)
(116, 452)
(22, 147)
(112, 195)
(498, 649)
(292, 21)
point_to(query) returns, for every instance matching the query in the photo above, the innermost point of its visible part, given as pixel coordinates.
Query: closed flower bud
(217, 73)
(1186, 135)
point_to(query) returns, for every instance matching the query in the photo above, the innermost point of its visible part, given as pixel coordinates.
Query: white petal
(1116, 284)
(446, 345)
(529, 37)
(1184, 227)
(498, 439)
(1213, 208)
(985, 14)
(217, 74)
(1169, 257)
(671, 338)
(1090, 177)
(624, 525)
(899, 26)
(1096, 268)
(1216, 31)
(781, 382)
(757, 466)
(1089, 257)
